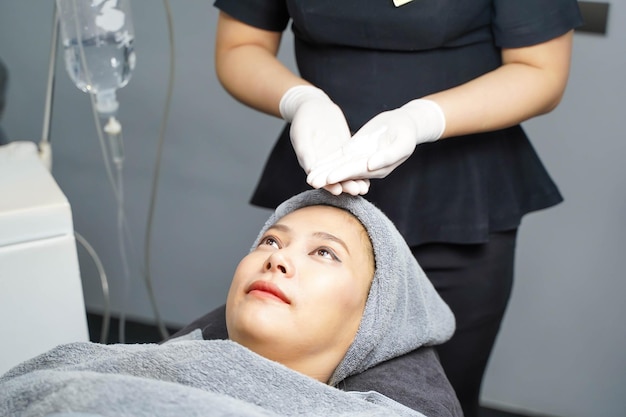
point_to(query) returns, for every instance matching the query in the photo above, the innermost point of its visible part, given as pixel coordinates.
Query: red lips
(268, 288)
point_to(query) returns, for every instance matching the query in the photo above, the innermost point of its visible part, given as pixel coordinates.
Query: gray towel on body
(178, 378)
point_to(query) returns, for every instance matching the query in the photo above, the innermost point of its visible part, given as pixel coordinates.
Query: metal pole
(47, 115)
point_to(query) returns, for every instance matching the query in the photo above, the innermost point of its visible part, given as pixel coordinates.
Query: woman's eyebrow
(333, 238)
(279, 227)
(318, 235)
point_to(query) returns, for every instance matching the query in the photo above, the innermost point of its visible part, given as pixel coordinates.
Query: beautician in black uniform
(425, 98)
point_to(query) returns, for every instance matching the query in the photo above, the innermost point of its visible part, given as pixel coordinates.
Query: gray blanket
(179, 378)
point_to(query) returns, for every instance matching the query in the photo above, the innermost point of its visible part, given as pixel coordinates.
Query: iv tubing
(106, 318)
(116, 187)
(155, 178)
(117, 191)
(147, 260)
(121, 217)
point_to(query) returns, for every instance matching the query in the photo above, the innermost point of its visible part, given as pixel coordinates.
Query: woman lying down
(328, 290)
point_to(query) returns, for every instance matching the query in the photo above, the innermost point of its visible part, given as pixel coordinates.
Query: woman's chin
(259, 323)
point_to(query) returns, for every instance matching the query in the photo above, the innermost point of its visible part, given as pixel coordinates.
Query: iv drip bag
(97, 38)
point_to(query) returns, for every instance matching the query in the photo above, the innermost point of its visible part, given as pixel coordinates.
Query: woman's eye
(269, 241)
(326, 253)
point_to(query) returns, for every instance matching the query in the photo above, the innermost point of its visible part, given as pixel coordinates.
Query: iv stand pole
(45, 151)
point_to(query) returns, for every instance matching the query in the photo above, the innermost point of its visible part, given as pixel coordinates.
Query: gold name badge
(399, 3)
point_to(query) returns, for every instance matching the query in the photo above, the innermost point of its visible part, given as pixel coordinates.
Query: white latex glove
(382, 144)
(318, 129)
(318, 126)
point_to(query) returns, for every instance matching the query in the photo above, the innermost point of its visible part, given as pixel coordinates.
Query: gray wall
(561, 351)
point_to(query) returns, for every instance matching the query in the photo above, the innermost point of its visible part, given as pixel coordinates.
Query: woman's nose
(279, 262)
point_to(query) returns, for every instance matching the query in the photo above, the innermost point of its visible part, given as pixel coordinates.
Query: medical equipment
(38, 260)
(98, 38)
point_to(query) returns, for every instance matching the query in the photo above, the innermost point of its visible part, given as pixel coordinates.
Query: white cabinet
(41, 297)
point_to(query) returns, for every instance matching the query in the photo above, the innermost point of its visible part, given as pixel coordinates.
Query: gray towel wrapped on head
(403, 310)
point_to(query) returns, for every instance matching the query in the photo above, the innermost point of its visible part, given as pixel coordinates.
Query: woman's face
(300, 295)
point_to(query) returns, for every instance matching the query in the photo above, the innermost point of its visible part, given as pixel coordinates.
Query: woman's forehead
(320, 215)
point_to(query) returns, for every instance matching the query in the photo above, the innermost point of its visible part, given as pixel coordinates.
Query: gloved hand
(318, 128)
(382, 144)
(354, 187)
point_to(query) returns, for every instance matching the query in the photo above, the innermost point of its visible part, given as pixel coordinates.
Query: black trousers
(476, 281)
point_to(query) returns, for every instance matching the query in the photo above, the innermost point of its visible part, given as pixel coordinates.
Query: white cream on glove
(382, 144)
(318, 129)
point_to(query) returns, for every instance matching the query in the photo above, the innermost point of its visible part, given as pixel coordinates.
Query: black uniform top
(370, 56)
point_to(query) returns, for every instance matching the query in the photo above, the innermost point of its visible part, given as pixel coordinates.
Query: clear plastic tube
(113, 129)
